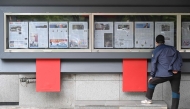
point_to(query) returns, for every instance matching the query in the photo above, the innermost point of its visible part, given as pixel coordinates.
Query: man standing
(166, 65)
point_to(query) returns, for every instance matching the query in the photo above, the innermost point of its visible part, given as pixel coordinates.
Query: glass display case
(132, 32)
(184, 40)
(93, 32)
(47, 32)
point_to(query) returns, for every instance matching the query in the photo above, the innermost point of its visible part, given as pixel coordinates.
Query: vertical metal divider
(5, 37)
(92, 32)
(178, 30)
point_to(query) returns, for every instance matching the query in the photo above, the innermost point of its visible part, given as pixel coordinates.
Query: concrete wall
(9, 88)
(83, 87)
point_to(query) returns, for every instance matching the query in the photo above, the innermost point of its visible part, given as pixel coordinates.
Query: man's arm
(154, 64)
(173, 61)
(177, 63)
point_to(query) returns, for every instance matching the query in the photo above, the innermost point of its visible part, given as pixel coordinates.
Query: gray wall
(73, 84)
(82, 62)
(88, 87)
(9, 91)
(72, 66)
(95, 3)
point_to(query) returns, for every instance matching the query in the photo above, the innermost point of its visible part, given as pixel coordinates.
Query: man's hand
(174, 71)
(149, 79)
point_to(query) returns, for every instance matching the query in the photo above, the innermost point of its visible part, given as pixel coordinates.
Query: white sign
(103, 37)
(58, 34)
(78, 35)
(185, 41)
(38, 34)
(144, 36)
(123, 34)
(18, 34)
(167, 30)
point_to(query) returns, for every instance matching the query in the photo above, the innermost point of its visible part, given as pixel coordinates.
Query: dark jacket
(164, 60)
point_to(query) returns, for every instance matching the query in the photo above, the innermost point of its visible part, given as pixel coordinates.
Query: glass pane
(47, 31)
(185, 31)
(133, 31)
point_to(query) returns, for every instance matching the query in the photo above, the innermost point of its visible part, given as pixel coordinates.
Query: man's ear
(156, 43)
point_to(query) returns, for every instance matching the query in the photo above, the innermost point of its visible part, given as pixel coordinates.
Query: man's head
(160, 39)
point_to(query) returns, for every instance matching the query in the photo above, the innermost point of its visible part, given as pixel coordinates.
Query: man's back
(163, 57)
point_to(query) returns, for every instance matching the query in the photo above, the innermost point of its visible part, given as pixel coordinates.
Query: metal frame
(49, 49)
(91, 33)
(178, 29)
(179, 40)
(134, 49)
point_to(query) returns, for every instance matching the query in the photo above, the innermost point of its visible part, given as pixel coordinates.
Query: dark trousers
(175, 85)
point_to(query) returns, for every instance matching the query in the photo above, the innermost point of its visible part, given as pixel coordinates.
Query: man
(166, 64)
(146, 26)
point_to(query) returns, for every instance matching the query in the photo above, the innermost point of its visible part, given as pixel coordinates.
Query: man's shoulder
(170, 47)
(161, 47)
(164, 48)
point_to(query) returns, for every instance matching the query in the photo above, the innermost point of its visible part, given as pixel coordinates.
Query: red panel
(48, 75)
(134, 75)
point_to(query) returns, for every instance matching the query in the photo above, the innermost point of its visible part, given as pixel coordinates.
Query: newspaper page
(123, 34)
(167, 30)
(58, 35)
(38, 34)
(78, 34)
(185, 40)
(18, 34)
(144, 35)
(103, 36)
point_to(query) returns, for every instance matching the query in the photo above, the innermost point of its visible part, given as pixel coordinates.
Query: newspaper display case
(184, 40)
(47, 32)
(91, 35)
(132, 32)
